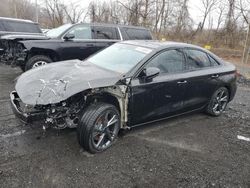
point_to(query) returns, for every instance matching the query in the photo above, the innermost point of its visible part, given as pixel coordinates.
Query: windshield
(54, 33)
(119, 57)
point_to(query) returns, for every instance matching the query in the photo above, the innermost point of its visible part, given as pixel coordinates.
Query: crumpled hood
(56, 82)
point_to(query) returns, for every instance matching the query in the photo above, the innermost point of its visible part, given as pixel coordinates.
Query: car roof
(16, 20)
(113, 25)
(155, 44)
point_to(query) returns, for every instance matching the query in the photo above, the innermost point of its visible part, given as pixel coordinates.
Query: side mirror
(69, 36)
(150, 73)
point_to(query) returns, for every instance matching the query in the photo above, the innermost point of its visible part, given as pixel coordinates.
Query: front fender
(42, 48)
(41, 44)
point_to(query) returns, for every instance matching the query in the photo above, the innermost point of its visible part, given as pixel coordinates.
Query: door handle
(215, 76)
(182, 82)
(90, 45)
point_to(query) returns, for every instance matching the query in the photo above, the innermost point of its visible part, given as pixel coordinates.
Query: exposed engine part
(12, 52)
(72, 121)
(65, 114)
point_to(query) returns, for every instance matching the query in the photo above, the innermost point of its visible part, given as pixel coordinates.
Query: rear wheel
(37, 61)
(99, 127)
(218, 102)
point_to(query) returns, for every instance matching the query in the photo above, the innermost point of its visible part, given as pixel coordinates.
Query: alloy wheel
(105, 130)
(39, 63)
(220, 102)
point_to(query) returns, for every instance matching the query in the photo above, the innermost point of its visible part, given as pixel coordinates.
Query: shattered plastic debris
(243, 138)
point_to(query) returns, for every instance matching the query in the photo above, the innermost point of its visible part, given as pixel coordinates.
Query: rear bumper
(20, 114)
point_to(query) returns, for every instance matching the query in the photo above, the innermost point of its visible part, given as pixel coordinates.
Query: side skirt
(157, 120)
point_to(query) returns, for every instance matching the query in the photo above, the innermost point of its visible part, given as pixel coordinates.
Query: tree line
(223, 23)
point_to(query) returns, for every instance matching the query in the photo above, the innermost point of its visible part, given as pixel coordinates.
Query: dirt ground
(190, 151)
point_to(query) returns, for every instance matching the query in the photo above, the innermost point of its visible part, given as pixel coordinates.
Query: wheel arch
(53, 55)
(112, 95)
(231, 88)
(106, 98)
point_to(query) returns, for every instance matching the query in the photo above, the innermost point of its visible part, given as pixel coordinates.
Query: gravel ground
(189, 151)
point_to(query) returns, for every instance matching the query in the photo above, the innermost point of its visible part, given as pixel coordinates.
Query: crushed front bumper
(25, 117)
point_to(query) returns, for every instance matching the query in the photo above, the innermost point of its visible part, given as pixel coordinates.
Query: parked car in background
(12, 31)
(125, 85)
(76, 41)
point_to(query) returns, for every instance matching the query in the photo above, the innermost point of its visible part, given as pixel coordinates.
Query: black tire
(218, 103)
(37, 58)
(92, 128)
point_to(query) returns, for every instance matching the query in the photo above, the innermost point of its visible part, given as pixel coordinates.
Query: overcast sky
(193, 7)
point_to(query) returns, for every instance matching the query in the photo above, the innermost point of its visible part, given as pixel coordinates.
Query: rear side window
(137, 34)
(171, 61)
(105, 32)
(15, 26)
(196, 59)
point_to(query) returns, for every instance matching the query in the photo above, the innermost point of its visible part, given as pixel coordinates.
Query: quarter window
(196, 59)
(213, 61)
(81, 32)
(170, 61)
(137, 34)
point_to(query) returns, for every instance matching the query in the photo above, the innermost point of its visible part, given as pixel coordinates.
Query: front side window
(171, 61)
(196, 59)
(56, 32)
(81, 32)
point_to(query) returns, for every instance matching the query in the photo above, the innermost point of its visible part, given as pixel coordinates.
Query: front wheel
(99, 127)
(218, 102)
(37, 61)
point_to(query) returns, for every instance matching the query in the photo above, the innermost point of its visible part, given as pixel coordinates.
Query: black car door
(161, 96)
(81, 46)
(105, 36)
(201, 77)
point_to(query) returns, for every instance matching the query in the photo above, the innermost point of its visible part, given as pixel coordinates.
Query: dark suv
(14, 30)
(77, 41)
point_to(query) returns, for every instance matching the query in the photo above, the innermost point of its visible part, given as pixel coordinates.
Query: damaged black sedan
(125, 85)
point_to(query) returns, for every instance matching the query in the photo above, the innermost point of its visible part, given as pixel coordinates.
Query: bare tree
(183, 21)
(55, 10)
(220, 12)
(99, 12)
(243, 6)
(5, 10)
(207, 7)
(74, 13)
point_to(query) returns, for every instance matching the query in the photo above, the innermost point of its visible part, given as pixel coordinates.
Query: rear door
(79, 47)
(105, 36)
(202, 78)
